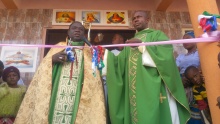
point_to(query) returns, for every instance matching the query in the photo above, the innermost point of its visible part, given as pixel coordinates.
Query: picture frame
(95, 17)
(64, 16)
(24, 58)
(185, 30)
(115, 17)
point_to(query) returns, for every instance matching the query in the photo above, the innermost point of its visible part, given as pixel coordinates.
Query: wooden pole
(208, 54)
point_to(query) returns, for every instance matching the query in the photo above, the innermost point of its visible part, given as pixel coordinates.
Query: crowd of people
(193, 82)
(139, 84)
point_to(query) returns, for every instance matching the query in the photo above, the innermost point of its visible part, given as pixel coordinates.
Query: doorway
(54, 36)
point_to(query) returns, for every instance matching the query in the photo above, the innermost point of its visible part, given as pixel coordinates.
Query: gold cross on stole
(162, 97)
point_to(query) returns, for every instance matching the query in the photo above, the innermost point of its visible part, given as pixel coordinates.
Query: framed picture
(64, 16)
(94, 17)
(21, 57)
(185, 30)
(116, 18)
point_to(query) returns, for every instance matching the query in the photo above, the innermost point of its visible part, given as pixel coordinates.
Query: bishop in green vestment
(64, 93)
(145, 94)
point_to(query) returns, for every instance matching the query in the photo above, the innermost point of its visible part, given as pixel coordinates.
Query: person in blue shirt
(191, 57)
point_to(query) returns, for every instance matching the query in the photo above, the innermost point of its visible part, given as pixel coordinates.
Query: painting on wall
(63, 17)
(117, 18)
(23, 58)
(185, 30)
(94, 17)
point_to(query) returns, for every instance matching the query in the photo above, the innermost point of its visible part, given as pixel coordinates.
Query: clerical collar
(142, 30)
(146, 28)
(75, 43)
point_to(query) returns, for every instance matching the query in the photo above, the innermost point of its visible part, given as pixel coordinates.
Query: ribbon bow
(97, 59)
(208, 21)
(70, 54)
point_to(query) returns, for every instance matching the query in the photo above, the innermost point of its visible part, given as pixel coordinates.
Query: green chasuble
(66, 92)
(137, 94)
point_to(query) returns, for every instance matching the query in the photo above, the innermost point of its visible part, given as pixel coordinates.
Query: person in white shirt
(117, 39)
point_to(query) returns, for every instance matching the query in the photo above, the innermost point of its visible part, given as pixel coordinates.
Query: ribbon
(205, 38)
(208, 21)
(70, 54)
(97, 59)
(209, 14)
(71, 58)
(94, 60)
(100, 59)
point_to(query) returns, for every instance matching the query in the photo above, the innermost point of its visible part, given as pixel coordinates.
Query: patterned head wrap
(190, 33)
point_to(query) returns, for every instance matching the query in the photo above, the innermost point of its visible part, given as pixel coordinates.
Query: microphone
(86, 41)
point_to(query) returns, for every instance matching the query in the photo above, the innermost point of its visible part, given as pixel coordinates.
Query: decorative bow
(70, 54)
(97, 59)
(208, 22)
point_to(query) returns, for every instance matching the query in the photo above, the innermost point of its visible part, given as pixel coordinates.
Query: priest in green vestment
(144, 86)
(65, 92)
